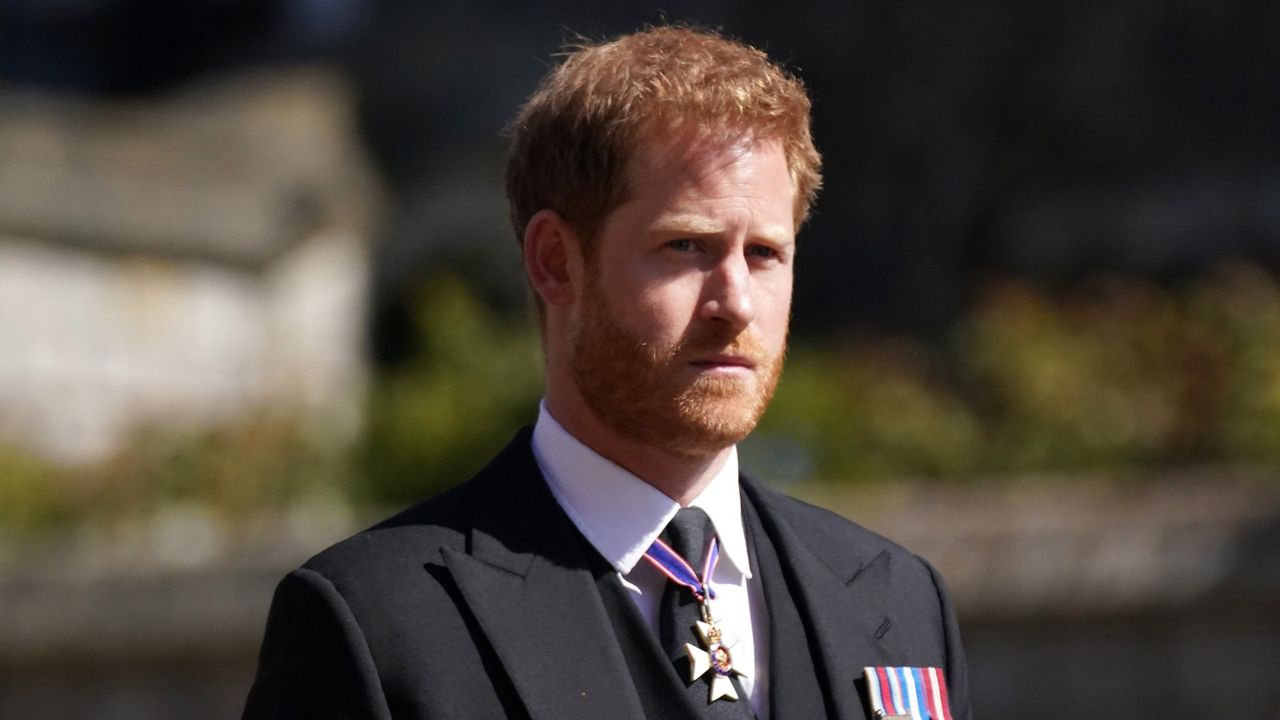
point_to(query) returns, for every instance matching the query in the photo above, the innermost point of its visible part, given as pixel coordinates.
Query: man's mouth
(726, 363)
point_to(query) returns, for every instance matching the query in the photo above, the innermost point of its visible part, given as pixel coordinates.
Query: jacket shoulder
(820, 527)
(416, 534)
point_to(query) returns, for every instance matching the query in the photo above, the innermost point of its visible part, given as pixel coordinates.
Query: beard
(650, 393)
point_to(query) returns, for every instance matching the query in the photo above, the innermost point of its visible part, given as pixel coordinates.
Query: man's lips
(726, 361)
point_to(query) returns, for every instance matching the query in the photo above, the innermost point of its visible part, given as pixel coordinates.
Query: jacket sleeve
(957, 670)
(315, 661)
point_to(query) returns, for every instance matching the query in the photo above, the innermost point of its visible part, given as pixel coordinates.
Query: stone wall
(181, 261)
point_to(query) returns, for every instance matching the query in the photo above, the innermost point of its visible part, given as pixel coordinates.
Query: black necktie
(689, 533)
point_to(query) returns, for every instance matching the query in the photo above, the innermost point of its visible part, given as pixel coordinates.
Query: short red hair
(575, 137)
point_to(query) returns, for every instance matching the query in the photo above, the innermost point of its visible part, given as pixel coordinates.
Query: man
(612, 563)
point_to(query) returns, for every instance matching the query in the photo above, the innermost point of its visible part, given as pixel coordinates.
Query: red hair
(575, 137)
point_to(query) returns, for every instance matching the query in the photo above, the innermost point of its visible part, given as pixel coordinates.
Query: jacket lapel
(530, 587)
(838, 597)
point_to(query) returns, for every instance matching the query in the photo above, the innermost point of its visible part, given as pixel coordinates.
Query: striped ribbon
(678, 570)
(920, 693)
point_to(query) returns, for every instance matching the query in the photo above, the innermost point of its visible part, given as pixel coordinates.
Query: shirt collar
(620, 514)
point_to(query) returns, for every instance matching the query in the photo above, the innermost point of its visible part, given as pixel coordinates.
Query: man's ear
(552, 257)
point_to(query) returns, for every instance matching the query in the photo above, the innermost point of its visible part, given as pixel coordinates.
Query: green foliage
(30, 496)
(437, 419)
(871, 410)
(1124, 373)
(262, 462)
(266, 461)
(1094, 379)
(1236, 320)
(1112, 375)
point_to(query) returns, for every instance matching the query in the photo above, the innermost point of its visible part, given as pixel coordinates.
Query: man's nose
(727, 293)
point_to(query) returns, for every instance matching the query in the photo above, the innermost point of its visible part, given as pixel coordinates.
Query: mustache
(745, 345)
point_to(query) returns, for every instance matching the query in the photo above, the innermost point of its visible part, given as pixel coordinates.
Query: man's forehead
(695, 144)
(682, 156)
(673, 163)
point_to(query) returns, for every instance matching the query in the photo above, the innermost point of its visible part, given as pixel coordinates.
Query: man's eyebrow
(697, 226)
(686, 224)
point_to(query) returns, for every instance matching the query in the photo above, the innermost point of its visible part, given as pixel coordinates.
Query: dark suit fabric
(484, 602)
(796, 687)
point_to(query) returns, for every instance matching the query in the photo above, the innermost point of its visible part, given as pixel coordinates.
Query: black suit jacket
(479, 603)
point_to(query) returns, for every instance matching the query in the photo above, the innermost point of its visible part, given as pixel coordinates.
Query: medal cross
(713, 658)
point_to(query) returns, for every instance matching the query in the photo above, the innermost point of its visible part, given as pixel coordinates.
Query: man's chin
(713, 419)
(700, 441)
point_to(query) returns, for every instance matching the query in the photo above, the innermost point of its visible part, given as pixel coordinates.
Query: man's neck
(680, 477)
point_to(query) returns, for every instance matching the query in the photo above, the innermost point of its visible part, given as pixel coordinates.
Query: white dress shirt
(621, 515)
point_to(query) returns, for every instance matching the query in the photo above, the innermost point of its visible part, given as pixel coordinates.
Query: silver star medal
(715, 658)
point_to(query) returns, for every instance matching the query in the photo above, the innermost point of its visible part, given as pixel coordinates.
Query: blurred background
(257, 290)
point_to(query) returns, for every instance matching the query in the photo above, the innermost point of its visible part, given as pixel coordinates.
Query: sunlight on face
(681, 329)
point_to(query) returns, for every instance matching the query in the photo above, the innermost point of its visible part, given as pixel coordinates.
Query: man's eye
(762, 251)
(683, 245)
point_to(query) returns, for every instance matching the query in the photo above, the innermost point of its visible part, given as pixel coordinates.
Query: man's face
(679, 334)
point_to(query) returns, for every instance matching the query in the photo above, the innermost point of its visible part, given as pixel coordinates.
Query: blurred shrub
(1235, 319)
(266, 461)
(1124, 372)
(871, 409)
(1096, 378)
(1113, 374)
(438, 418)
(30, 496)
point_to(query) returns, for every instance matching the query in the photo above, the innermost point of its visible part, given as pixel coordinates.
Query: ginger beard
(650, 393)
